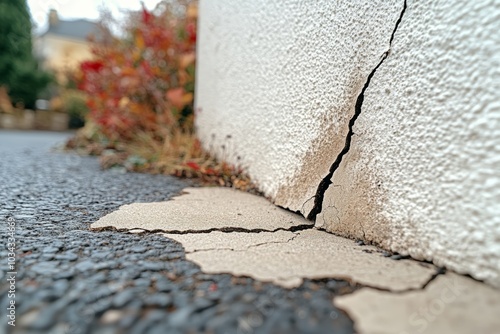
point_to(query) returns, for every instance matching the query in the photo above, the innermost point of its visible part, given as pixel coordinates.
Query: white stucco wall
(427, 147)
(274, 76)
(422, 176)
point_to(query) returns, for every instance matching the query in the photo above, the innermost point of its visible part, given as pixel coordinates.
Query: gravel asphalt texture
(72, 280)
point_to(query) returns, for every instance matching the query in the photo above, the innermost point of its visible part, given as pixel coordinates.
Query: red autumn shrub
(144, 81)
(140, 95)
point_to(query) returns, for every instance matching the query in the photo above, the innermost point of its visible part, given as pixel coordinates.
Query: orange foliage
(145, 81)
(140, 92)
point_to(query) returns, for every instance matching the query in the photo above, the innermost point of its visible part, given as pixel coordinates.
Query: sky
(81, 9)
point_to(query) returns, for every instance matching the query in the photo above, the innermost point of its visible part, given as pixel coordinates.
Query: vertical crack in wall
(325, 183)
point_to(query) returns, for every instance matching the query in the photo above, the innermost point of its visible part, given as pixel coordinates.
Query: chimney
(53, 18)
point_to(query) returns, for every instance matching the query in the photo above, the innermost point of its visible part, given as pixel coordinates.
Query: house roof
(77, 29)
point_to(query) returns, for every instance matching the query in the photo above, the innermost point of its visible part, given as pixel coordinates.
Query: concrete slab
(311, 254)
(203, 209)
(227, 231)
(237, 241)
(450, 304)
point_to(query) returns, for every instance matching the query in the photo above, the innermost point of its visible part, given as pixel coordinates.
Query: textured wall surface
(276, 83)
(423, 175)
(277, 86)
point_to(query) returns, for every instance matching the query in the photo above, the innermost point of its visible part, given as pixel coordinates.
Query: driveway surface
(69, 279)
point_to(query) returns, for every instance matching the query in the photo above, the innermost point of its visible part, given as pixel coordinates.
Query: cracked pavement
(394, 294)
(73, 280)
(277, 274)
(243, 213)
(449, 304)
(256, 239)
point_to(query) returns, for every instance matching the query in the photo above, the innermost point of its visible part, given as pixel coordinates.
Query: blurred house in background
(65, 44)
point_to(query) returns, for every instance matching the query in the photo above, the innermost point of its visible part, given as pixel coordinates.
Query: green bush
(74, 103)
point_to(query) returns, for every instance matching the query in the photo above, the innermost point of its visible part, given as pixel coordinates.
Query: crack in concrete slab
(439, 271)
(245, 249)
(353, 282)
(280, 253)
(290, 256)
(275, 242)
(326, 181)
(302, 209)
(432, 309)
(211, 209)
(294, 228)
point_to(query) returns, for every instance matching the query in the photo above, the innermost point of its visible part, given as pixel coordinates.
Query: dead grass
(178, 153)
